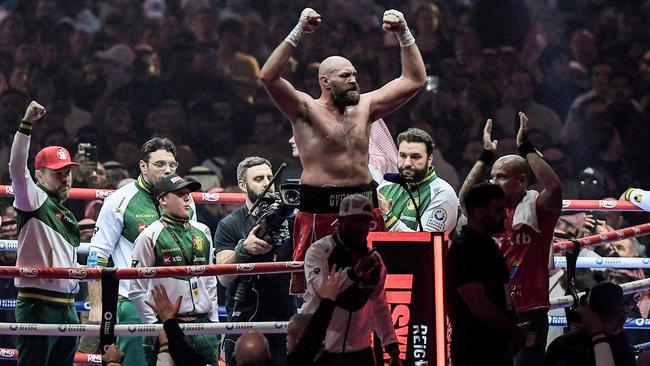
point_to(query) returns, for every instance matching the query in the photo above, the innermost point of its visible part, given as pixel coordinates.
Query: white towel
(526, 212)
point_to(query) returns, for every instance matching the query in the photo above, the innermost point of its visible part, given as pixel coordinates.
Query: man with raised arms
(332, 132)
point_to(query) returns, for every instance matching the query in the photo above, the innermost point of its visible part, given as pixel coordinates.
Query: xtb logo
(522, 239)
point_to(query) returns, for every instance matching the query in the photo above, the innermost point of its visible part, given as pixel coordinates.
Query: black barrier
(414, 291)
(110, 287)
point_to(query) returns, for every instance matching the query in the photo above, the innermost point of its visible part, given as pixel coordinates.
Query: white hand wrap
(405, 37)
(298, 33)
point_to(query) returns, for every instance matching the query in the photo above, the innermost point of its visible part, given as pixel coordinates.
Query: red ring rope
(625, 233)
(153, 272)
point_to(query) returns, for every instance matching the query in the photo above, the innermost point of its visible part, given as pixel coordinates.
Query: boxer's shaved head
(333, 63)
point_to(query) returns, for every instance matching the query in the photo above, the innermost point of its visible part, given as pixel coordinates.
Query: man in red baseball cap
(48, 236)
(53, 166)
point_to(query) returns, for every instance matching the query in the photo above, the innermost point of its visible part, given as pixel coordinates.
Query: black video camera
(274, 208)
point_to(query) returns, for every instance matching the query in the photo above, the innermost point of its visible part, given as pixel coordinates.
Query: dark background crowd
(115, 73)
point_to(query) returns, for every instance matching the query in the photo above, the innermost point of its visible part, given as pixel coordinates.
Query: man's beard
(252, 196)
(344, 97)
(416, 176)
(62, 193)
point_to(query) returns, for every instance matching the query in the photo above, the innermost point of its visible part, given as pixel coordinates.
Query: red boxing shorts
(318, 212)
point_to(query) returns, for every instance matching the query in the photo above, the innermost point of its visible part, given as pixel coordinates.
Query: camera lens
(291, 197)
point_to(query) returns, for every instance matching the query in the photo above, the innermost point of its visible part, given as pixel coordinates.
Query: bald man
(252, 349)
(332, 132)
(530, 220)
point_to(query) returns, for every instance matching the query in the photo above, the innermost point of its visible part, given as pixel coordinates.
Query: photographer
(253, 297)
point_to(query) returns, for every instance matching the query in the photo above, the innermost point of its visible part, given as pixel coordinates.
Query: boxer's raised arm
(395, 93)
(284, 95)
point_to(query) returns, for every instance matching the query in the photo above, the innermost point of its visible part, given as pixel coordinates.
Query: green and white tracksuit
(173, 242)
(124, 215)
(48, 236)
(436, 199)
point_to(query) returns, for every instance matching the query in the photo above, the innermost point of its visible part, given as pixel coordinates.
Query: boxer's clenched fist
(393, 21)
(309, 20)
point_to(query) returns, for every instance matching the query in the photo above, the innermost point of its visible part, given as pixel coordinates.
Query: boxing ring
(414, 283)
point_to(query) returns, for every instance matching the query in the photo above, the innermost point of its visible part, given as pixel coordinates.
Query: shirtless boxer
(332, 132)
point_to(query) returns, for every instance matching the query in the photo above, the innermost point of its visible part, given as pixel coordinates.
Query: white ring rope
(134, 330)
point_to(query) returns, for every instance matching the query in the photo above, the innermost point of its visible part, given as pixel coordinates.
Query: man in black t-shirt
(253, 297)
(476, 285)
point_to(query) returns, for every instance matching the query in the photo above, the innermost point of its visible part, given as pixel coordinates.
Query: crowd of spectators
(115, 73)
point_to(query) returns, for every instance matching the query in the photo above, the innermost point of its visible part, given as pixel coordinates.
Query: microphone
(395, 178)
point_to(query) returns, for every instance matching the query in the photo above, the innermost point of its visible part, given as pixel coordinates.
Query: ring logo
(62, 328)
(586, 241)
(599, 260)
(566, 203)
(294, 264)
(620, 233)
(607, 203)
(102, 193)
(645, 260)
(13, 327)
(280, 325)
(147, 272)
(7, 353)
(87, 305)
(9, 190)
(95, 358)
(77, 273)
(636, 230)
(245, 266)
(131, 328)
(639, 322)
(29, 272)
(210, 197)
(230, 326)
(603, 237)
(195, 270)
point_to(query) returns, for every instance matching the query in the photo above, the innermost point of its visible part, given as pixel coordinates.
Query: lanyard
(188, 259)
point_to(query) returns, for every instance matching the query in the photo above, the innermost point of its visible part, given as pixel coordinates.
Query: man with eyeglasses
(124, 215)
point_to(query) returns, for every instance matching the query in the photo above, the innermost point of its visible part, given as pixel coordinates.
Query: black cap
(607, 300)
(174, 182)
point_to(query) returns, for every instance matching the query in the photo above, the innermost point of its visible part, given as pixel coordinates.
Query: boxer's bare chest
(333, 130)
